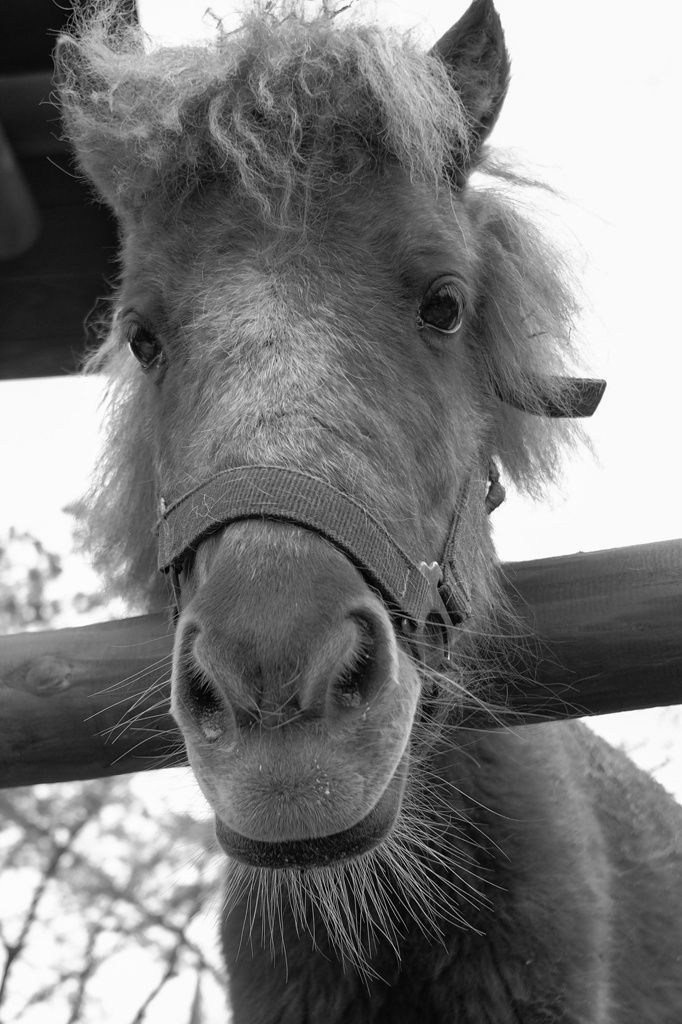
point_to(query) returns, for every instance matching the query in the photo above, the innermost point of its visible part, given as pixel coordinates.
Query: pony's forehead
(400, 229)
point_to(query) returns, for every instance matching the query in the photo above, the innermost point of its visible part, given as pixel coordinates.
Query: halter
(426, 600)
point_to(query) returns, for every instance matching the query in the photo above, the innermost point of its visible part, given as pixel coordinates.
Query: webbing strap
(292, 496)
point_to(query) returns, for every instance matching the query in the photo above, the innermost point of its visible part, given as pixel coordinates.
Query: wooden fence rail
(93, 701)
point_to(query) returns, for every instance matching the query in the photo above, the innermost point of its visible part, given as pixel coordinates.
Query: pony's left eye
(442, 307)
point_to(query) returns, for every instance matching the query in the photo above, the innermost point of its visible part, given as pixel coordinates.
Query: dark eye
(144, 344)
(442, 307)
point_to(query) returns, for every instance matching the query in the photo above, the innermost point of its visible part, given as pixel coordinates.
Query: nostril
(349, 688)
(205, 706)
(367, 667)
(196, 696)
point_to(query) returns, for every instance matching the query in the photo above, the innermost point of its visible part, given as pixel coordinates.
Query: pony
(336, 323)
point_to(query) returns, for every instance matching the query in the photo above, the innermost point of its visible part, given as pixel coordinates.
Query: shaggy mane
(284, 109)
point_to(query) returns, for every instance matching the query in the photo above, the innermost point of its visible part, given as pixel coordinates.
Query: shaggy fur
(283, 116)
(286, 195)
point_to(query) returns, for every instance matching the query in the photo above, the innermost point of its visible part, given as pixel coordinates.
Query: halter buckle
(437, 619)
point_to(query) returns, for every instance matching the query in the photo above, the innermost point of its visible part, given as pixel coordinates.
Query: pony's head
(311, 284)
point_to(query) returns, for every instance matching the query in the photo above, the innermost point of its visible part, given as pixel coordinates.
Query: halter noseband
(427, 600)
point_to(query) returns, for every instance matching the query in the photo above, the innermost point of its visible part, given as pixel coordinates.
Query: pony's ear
(556, 397)
(81, 92)
(94, 119)
(476, 57)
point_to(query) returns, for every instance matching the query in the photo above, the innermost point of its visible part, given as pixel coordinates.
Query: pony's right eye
(442, 307)
(144, 344)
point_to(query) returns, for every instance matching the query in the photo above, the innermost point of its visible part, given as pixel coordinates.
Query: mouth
(321, 851)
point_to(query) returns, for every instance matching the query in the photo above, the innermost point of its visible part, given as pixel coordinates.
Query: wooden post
(609, 625)
(86, 702)
(93, 701)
